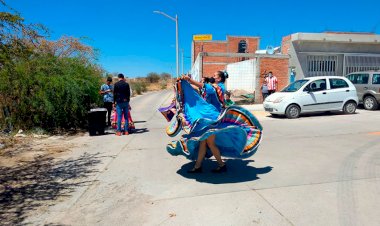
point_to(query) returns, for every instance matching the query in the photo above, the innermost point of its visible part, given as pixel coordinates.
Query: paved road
(316, 170)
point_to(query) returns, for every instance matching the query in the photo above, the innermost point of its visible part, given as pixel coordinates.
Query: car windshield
(295, 86)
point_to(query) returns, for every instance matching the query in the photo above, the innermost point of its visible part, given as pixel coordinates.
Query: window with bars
(361, 63)
(242, 47)
(321, 65)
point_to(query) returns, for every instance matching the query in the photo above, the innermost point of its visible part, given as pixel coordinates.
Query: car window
(358, 78)
(336, 83)
(376, 79)
(353, 78)
(317, 85)
(295, 86)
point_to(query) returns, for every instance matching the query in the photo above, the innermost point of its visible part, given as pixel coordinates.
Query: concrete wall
(294, 61)
(299, 45)
(332, 47)
(299, 50)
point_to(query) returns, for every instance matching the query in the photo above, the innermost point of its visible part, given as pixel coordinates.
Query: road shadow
(136, 122)
(36, 183)
(238, 171)
(140, 130)
(312, 115)
(133, 131)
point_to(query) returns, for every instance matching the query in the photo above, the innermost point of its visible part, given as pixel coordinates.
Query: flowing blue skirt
(237, 131)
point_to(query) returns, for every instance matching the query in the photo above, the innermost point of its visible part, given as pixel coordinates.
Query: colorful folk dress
(131, 125)
(237, 132)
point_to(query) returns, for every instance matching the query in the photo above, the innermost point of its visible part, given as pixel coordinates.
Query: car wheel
(370, 103)
(293, 111)
(349, 107)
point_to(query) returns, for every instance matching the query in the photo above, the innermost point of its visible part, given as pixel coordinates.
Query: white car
(313, 94)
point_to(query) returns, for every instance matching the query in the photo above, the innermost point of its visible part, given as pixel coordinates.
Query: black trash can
(97, 121)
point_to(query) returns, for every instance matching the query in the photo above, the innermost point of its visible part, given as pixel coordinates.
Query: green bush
(138, 87)
(163, 84)
(49, 92)
(44, 84)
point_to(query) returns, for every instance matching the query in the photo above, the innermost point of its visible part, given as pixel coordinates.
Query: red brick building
(211, 56)
(233, 44)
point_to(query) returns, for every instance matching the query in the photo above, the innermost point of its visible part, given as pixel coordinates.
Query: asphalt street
(321, 169)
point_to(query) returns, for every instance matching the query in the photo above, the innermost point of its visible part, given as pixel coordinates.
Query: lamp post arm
(166, 15)
(176, 31)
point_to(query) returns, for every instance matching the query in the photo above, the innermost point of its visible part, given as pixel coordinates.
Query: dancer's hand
(186, 77)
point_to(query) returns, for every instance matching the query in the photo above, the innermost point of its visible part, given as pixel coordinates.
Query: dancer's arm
(193, 82)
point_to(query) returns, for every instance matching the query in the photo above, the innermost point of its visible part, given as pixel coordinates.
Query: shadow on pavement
(316, 114)
(32, 184)
(140, 130)
(138, 122)
(238, 171)
(137, 131)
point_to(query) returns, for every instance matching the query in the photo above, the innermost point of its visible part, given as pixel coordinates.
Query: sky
(133, 40)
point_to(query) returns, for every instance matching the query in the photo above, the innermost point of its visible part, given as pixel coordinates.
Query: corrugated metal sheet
(195, 69)
(242, 75)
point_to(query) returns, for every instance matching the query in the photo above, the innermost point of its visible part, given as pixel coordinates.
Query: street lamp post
(176, 36)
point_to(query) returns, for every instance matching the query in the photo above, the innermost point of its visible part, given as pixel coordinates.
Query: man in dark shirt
(121, 95)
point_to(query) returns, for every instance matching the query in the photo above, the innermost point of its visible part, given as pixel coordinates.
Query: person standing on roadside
(122, 95)
(272, 83)
(107, 91)
(264, 90)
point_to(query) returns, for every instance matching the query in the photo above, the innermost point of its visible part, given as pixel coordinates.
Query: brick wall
(210, 69)
(233, 43)
(208, 46)
(212, 64)
(279, 68)
(285, 44)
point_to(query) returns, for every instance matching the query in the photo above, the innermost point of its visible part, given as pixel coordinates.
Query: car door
(339, 90)
(314, 96)
(360, 81)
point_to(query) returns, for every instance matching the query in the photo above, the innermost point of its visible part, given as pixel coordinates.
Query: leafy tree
(165, 76)
(47, 84)
(153, 77)
(67, 46)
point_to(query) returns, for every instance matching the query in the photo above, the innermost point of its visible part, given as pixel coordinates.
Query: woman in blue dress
(213, 94)
(210, 129)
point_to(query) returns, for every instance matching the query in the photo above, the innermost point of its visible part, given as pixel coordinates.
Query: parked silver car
(367, 85)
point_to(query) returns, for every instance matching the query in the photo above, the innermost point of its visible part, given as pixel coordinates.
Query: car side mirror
(307, 89)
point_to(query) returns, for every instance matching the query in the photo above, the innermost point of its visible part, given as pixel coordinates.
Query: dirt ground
(18, 150)
(32, 171)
